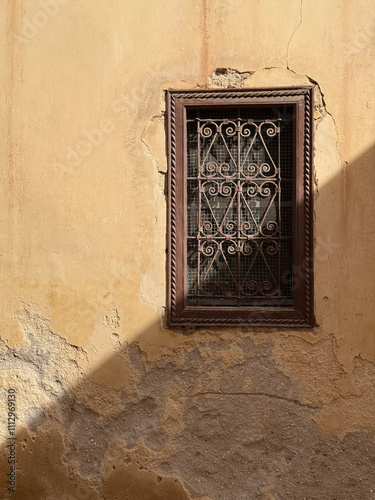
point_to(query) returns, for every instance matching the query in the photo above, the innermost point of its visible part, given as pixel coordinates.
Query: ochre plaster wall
(110, 403)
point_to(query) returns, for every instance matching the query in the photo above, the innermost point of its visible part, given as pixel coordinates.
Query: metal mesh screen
(239, 206)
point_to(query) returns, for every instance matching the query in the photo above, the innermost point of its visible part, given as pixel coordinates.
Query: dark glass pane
(239, 206)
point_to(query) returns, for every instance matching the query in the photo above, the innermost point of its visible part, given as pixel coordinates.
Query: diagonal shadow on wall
(218, 418)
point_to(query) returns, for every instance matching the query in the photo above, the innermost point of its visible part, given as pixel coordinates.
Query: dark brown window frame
(301, 314)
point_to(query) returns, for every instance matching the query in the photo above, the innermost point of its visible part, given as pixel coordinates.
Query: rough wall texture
(110, 403)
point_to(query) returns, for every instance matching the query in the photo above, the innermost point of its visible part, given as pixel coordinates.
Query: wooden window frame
(301, 314)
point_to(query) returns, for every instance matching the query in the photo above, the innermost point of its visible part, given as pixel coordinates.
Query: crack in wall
(256, 394)
(293, 34)
(147, 148)
(216, 436)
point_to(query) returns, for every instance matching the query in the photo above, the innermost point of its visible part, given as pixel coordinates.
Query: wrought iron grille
(240, 198)
(239, 207)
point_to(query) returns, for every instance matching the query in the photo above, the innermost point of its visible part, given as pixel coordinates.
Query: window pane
(239, 208)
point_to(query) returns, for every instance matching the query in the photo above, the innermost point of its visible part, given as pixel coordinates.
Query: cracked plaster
(110, 402)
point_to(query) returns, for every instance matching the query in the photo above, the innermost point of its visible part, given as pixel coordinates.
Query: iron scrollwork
(234, 206)
(240, 198)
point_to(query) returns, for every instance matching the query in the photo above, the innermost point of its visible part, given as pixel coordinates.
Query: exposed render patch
(228, 78)
(347, 400)
(112, 318)
(235, 443)
(55, 363)
(222, 419)
(133, 483)
(234, 446)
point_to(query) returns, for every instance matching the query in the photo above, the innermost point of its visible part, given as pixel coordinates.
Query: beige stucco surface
(110, 403)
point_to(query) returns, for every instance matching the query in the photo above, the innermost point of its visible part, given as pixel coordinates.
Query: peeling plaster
(228, 78)
(107, 407)
(112, 318)
(189, 422)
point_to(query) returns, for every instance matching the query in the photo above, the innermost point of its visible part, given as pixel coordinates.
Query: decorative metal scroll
(239, 211)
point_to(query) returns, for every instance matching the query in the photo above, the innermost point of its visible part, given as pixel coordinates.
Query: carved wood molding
(219, 97)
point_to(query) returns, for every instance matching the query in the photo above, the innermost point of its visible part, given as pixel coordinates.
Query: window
(240, 207)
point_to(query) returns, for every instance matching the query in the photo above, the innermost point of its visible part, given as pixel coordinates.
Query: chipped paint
(111, 403)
